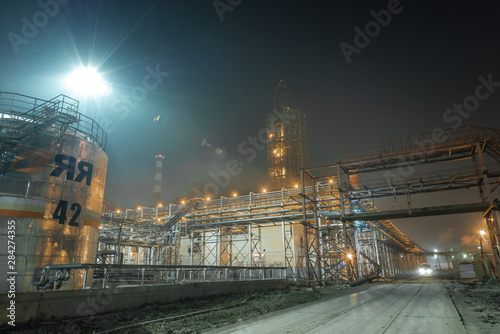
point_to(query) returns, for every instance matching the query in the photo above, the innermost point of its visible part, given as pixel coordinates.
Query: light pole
(481, 233)
(158, 206)
(141, 210)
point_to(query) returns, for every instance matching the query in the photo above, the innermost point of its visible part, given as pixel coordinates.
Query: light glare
(86, 81)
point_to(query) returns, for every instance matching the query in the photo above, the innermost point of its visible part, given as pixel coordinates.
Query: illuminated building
(287, 141)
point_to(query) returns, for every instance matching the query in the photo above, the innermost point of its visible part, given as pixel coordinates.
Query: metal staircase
(180, 214)
(19, 125)
(42, 118)
(23, 118)
(493, 147)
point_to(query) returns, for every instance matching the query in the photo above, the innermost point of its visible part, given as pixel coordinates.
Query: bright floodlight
(482, 232)
(86, 81)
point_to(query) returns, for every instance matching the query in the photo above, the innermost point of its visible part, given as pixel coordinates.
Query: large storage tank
(52, 176)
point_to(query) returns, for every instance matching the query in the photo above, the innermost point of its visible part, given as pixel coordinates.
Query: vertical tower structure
(287, 141)
(157, 185)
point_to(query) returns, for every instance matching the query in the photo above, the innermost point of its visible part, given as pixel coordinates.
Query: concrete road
(423, 307)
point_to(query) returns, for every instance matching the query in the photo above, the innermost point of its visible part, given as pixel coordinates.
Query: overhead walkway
(438, 146)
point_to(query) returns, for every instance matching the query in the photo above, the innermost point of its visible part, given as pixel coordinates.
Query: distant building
(287, 141)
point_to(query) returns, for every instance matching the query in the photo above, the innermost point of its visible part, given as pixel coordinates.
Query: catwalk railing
(430, 141)
(266, 208)
(22, 111)
(105, 275)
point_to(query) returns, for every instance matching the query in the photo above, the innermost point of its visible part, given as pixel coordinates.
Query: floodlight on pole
(85, 81)
(481, 233)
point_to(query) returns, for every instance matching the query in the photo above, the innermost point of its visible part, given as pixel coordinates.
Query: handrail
(18, 107)
(426, 141)
(446, 174)
(46, 282)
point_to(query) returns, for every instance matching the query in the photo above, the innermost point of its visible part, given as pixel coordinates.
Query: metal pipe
(362, 280)
(85, 278)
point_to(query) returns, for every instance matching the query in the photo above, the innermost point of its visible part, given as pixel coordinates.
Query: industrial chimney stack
(157, 184)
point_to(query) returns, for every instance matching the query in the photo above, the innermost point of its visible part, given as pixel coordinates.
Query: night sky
(215, 72)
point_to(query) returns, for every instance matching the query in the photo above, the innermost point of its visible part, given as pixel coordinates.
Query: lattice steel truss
(286, 141)
(366, 256)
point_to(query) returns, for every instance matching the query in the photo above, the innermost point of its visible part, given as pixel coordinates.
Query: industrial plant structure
(286, 141)
(327, 229)
(320, 227)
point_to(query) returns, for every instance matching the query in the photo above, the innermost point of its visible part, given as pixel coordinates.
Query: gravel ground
(478, 305)
(247, 307)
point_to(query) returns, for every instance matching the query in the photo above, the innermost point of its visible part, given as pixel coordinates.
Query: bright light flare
(482, 232)
(86, 81)
(349, 256)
